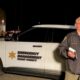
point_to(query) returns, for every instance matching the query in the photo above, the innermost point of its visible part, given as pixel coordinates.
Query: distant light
(2, 21)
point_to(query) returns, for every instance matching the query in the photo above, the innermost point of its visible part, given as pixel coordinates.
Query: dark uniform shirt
(71, 40)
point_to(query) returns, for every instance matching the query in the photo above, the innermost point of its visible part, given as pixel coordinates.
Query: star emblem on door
(12, 55)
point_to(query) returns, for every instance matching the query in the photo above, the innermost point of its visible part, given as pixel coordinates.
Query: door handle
(37, 45)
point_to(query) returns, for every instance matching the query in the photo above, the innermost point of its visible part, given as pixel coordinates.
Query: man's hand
(71, 54)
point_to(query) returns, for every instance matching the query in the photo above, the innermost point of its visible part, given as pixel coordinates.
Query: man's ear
(75, 24)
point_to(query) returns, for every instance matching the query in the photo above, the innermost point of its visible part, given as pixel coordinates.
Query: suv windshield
(45, 35)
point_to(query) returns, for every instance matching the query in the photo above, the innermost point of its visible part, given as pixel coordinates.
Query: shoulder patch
(65, 38)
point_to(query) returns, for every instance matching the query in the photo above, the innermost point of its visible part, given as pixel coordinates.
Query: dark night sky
(25, 14)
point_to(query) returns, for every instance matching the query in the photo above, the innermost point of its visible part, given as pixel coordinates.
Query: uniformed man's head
(77, 23)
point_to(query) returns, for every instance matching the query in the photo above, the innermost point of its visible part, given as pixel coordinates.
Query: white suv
(36, 51)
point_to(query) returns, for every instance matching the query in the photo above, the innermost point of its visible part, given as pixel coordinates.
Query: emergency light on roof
(54, 26)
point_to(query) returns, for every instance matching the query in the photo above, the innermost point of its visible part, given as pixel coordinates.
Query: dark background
(25, 13)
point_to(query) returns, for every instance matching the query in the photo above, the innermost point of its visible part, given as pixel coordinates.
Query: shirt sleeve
(63, 47)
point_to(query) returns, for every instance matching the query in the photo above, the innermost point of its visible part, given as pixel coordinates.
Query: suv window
(45, 35)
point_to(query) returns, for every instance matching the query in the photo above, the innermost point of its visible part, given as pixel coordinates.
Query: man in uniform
(70, 49)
